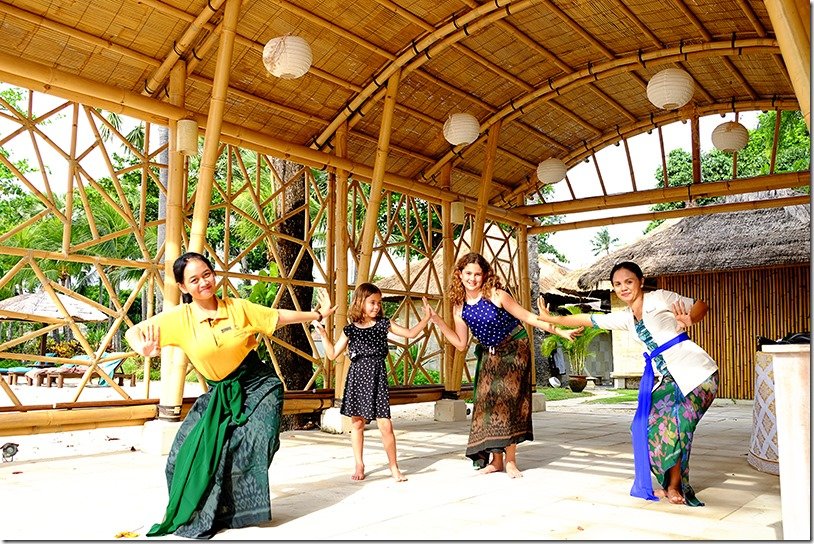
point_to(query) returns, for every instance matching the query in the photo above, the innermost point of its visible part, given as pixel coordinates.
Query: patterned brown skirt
(501, 415)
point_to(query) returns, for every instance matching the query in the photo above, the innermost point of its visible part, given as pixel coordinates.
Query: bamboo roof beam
(669, 214)
(746, 8)
(379, 167)
(686, 193)
(649, 123)
(792, 28)
(155, 83)
(685, 9)
(623, 64)
(695, 144)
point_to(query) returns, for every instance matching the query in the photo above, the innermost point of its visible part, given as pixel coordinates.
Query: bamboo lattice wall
(744, 304)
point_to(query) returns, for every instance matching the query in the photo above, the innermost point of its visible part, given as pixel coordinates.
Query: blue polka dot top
(488, 323)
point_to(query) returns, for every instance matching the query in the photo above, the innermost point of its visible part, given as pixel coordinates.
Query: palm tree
(603, 242)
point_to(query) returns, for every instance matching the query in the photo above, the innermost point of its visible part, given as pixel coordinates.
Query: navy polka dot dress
(366, 393)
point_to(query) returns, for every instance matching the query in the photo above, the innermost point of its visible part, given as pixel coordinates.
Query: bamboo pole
(369, 229)
(448, 248)
(203, 193)
(22, 422)
(485, 186)
(778, 115)
(599, 174)
(341, 247)
(71, 176)
(683, 212)
(670, 194)
(179, 47)
(793, 31)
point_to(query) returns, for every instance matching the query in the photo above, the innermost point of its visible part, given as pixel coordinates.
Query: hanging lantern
(730, 137)
(461, 128)
(186, 136)
(457, 212)
(287, 57)
(551, 170)
(670, 89)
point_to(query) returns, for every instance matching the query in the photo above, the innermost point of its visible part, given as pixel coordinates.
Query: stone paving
(91, 485)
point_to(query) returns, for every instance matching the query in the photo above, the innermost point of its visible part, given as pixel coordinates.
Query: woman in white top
(669, 409)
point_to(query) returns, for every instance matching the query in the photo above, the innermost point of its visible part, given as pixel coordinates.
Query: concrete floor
(89, 485)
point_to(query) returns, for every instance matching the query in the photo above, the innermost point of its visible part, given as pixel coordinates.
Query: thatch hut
(751, 267)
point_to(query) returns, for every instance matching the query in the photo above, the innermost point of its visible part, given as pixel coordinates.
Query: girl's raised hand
(320, 329)
(569, 334)
(428, 311)
(542, 309)
(682, 316)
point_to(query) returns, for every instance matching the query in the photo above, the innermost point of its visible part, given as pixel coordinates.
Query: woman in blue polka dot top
(501, 417)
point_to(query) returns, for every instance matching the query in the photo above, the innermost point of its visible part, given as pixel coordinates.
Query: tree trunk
(541, 369)
(296, 370)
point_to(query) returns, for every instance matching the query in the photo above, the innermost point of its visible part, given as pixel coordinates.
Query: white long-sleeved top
(687, 362)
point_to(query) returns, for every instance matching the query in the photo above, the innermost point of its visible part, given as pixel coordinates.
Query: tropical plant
(603, 241)
(577, 349)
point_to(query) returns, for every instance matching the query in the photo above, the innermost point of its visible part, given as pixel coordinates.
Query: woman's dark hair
(627, 265)
(180, 265)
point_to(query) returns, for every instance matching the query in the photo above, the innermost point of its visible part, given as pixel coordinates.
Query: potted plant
(577, 351)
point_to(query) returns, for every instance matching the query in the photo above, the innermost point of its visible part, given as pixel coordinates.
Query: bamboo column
(525, 289)
(340, 295)
(695, 143)
(203, 193)
(173, 359)
(448, 245)
(66, 227)
(485, 184)
(792, 28)
(369, 232)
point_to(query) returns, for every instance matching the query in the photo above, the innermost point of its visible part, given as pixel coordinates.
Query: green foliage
(793, 155)
(561, 393)
(65, 348)
(263, 292)
(576, 349)
(620, 395)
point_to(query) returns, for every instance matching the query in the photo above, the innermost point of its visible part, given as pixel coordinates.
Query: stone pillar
(792, 367)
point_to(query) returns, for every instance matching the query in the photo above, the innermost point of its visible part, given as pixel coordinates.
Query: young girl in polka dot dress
(366, 395)
(501, 414)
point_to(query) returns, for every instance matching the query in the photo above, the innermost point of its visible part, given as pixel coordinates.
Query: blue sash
(642, 484)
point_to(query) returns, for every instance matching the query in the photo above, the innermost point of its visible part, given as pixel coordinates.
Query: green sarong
(217, 470)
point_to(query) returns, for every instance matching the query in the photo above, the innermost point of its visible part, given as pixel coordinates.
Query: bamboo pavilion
(311, 143)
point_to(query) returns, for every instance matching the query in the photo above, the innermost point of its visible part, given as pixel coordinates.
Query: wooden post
(448, 248)
(369, 231)
(485, 184)
(340, 295)
(203, 193)
(66, 227)
(695, 142)
(525, 289)
(792, 30)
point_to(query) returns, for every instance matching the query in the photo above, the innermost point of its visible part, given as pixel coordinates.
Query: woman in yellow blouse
(217, 469)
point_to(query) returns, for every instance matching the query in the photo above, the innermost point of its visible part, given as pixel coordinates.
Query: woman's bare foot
(675, 496)
(492, 467)
(660, 493)
(359, 473)
(397, 475)
(512, 470)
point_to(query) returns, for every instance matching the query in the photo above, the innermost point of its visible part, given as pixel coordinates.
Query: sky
(575, 245)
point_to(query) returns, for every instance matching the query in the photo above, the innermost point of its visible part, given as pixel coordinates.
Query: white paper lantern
(730, 137)
(551, 170)
(461, 128)
(457, 213)
(287, 57)
(186, 136)
(670, 89)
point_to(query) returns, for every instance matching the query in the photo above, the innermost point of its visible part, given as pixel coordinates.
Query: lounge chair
(112, 368)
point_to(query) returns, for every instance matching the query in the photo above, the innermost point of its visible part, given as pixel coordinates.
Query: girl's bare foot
(512, 470)
(359, 473)
(675, 496)
(397, 475)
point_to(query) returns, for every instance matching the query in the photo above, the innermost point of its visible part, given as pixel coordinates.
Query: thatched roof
(724, 241)
(561, 79)
(39, 307)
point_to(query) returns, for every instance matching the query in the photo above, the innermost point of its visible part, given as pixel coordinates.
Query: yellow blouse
(216, 347)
